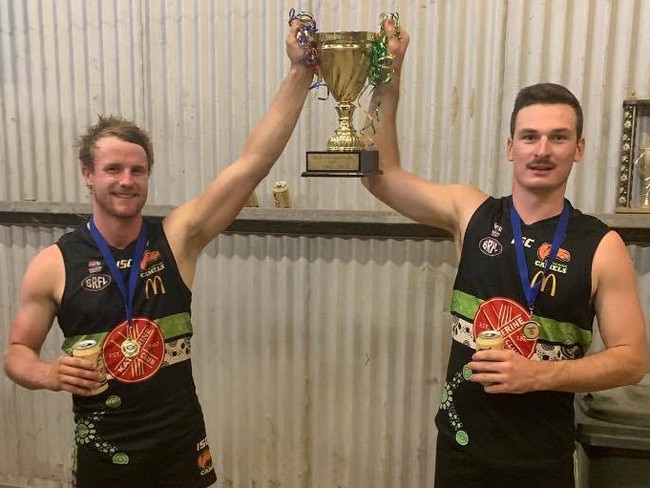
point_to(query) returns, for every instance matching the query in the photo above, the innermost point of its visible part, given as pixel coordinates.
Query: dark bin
(613, 428)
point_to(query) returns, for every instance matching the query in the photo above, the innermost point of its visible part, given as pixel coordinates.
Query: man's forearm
(383, 107)
(613, 367)
(24, 367)
(272, 132)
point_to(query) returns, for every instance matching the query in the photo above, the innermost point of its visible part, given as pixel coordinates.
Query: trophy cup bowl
(344, 64)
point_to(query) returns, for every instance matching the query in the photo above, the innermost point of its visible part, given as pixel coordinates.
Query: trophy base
(634, 210)
(337, 164)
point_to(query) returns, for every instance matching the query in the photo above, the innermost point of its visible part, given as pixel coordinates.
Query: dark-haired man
(534, 269)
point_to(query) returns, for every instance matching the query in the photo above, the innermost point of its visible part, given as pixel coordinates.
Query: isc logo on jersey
(204, 458)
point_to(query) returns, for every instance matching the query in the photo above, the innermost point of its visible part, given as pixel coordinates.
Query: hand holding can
(489, 340)
(90, 350)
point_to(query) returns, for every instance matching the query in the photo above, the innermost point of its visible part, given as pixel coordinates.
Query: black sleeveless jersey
(535, 427)
(130, 418)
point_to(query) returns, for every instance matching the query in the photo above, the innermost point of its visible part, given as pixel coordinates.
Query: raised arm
(40, 294)
(445, 206)
(194, 224)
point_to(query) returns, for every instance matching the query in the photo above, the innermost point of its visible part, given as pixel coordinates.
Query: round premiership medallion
(531, 330)
(135, 357)
(90, 350)
(130, 348)
(507, 317)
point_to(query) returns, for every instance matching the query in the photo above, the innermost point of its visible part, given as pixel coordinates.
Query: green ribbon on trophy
(380, 60)
(347, 63)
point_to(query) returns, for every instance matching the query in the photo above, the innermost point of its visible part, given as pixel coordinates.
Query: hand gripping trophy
(346, 62)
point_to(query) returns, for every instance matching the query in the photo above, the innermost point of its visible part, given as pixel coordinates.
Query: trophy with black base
(634, 171)
(345, 62)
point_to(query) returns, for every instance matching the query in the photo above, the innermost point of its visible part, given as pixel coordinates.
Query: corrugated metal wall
(318, 360)
(199, 73)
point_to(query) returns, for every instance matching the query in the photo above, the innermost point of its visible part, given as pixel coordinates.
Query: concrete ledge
(634, 228)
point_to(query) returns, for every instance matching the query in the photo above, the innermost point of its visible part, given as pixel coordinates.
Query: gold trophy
(633, 193)
(346, 62)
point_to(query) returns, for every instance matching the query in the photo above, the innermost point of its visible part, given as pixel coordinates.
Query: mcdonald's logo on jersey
(154, 285)
(545, 280)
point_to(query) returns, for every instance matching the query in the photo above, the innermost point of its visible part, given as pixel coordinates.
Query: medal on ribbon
(132, 349)
(531, 329)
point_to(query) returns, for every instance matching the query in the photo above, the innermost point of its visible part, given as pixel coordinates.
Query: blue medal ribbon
(127, 296)
(531, 291)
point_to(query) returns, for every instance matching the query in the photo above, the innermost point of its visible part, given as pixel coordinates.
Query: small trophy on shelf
(634, 171)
